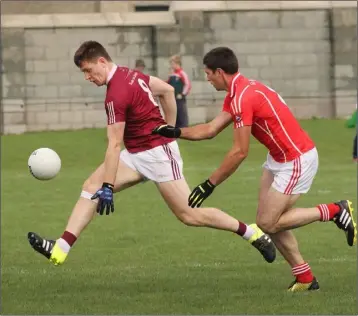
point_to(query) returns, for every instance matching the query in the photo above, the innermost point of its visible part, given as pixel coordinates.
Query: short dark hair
(90, 51)
(139, 63)
(223, 58)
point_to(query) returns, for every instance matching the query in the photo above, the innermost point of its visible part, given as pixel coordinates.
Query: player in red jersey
(132, 114)
(290, 167)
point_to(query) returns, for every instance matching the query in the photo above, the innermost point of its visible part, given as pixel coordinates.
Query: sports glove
(201, 193)
(105, 199)
(167, 131)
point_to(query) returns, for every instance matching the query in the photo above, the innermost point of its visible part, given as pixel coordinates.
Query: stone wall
(289, 50)
(78, 6)
(345, 59)
(38, 69)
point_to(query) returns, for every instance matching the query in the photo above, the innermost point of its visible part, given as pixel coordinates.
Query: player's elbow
(211, 132)
(169, 89)
(169, 93)
(114, 144)
(241, 153)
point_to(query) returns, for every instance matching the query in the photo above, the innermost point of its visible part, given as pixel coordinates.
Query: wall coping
(258, 5)
(87, 19)
(157, 18)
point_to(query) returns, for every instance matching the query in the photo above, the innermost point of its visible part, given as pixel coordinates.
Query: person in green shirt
(351, 123)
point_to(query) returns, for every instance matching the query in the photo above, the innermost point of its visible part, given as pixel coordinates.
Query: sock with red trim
(303, 273)
(328, 211)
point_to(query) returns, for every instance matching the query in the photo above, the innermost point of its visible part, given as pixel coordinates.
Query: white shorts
(294, 177)
(159, 164)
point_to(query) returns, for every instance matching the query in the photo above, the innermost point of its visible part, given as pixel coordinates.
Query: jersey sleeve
(226, 104)
(116, 108)
(243, 105)
(186, 81)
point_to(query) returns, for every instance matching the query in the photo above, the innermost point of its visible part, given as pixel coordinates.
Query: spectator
(352, 123)
(179, 80)
(139, 65)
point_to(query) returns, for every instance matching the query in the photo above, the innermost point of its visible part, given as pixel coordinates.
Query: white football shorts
(294, 177)
(159, 164)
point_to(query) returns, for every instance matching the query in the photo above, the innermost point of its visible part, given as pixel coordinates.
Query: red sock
(303, 273)
(69, 238)
(242, 229)
(328, 211)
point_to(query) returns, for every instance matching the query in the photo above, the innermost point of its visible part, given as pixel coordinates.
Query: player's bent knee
(188, 219)
(86, 195)
(266, 225)
(90, 187)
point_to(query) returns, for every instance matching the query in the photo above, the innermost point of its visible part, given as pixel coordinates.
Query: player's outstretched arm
(197, 132)
(234, 157)
(166, 95)
(115, 134)
(105, 193)
(231, 162)
(208, 130)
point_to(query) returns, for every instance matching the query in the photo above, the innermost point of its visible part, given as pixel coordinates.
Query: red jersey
(252, 103)
(130, 100)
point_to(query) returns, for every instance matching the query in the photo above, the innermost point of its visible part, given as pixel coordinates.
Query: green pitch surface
(142, 260)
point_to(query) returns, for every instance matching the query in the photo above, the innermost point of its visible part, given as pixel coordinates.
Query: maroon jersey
(130, 100)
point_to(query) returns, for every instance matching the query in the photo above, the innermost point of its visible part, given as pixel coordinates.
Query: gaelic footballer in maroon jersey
(132, 114)
(289, 169)
(130, 100)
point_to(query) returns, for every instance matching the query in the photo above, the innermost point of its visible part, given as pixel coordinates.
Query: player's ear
(219, 71)
(101, 61)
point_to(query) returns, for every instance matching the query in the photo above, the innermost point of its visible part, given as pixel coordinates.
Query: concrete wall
(78, 6)
(41, 7)
(345, 59)
(289, 50)
(39, 69)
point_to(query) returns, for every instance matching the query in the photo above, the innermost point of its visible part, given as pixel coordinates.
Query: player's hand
(167, 131)
(201, 193)
(105, 199)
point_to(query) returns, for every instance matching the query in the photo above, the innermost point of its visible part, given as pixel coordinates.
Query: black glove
(105, 199)
(167, 131)
(201, 193)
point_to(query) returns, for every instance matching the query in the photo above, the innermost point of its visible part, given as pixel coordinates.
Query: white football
(44, 164)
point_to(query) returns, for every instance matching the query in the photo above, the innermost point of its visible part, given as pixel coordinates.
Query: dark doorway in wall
(147, 8)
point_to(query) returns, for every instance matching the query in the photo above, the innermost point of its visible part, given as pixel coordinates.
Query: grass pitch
(141, 260)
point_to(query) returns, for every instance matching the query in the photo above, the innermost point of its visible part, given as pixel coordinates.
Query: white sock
(63, 244)
(249, 232)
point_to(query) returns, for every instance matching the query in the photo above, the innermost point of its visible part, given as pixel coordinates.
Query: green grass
(141, 260)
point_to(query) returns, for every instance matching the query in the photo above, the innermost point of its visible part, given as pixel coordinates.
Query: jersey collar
(111, 73)
(232, 84)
